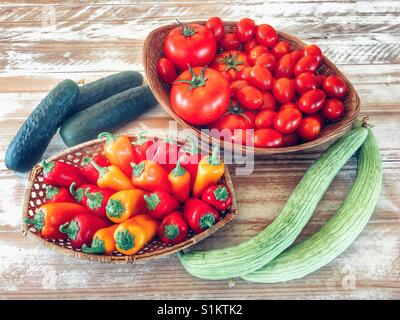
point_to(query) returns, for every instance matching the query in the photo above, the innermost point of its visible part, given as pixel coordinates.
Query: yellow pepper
(125, 204)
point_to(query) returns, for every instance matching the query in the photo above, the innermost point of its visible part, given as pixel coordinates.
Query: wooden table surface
(41, 44)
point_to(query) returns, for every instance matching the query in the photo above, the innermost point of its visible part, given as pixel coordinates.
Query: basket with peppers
(132, 193)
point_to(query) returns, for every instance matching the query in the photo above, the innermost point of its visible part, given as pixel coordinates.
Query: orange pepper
(119, 151)
(103, 241)
(150, 176)
(180, 181)
(209, 172)
(112, 177)
(126, 203)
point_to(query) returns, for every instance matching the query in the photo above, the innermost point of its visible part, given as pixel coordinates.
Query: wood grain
(91, 40)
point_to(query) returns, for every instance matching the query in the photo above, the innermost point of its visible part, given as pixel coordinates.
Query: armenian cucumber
(35, 134)
(107, 115)
(258, 251)
(101, 89)
(339, 232)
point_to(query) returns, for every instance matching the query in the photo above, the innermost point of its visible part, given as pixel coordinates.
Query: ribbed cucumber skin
(339, 232)
(107, 115)
(35, 134)
(258, 251)
(101, 89)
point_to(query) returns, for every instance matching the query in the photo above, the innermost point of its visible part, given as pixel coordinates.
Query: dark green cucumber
(35, 134)
(107, 115)
(104, 88)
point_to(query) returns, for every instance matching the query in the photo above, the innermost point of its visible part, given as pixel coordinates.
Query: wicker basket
(35, 195)
(153, 51)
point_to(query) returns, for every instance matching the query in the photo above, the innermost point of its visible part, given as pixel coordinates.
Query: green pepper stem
(179, 170)
(102, 170)
(47, 166)
(192, 146)
(213, 159)
(108, 135)
(140, 138)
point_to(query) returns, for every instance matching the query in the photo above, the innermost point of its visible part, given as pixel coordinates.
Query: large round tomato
(261, 77)
(216, 26)
(306, 64)
(234, 118)
(265, 119)
(283, 90)
(200, 95)
(333, 109)
(266, 35)
(280, 49)
(230, 41)
(312, 101)
(166, 70)
(249, 97)
(192, 45)
(309, 129)
(268, 61)
(305, 81)
(230, 61)
(285, 66)
(256, 52)
(287, 120)
(245, 29)
(335, 87)
(267, 138)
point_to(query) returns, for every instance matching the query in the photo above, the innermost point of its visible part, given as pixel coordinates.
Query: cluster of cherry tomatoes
(249, 79)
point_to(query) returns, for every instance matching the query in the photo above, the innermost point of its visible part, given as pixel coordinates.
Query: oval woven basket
(153, 50)
(35, 196)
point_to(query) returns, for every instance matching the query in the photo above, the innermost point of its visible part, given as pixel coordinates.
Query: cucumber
(104, 88)
(258, 251)
(339, 232)
(35, 134)
(107, 115)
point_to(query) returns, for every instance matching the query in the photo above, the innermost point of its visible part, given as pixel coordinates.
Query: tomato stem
(196, 81)
(186, 29)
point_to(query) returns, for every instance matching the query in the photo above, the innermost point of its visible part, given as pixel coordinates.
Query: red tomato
(192, 45)
(261, 78)
(285, 66)
(320, 79)
(309, 129)
(216, 26)
(204, 99)
(230, 41)
(248, 45)
(305, 81)
(313, 50)
(290, 139)
(306, 64)
(237, 84)
(267, 60)
(265, 119)
(335, 87)
(317, 116)
(166, 70)
(283, 90)
(267, 138)
(226, 75)
(234, 118)
(245, 29)
(287, 120)
(249, 97)
(297, 55)
(266, 35)
(288, 106)
(244, 74)
(268, 101)
(333, 109)
(255, 53)
(280, 49)
(230, 61)
(312, 101)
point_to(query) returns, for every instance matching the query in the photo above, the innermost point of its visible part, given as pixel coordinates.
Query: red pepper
(160, 203)
(173, 228)
(218, 196)
(164, 153)
(93, 198)
(140, 147)
(199, 215)
(191, 157)
(62, 174)
(58, 194)
(81, 228)
(89, 171)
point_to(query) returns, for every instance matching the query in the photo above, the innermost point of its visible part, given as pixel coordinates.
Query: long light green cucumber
(258, 251)
(339, 232)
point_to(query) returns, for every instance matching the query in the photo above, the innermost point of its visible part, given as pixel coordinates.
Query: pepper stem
(207, 221)
(213, 158)
(102, 170)
(191, 146)
(47, 166)
(71, 229)
(37, 222)
(140, 140)
(137, 168)
(171, 231)
(108, 135)
(96, 248)
(179, 171)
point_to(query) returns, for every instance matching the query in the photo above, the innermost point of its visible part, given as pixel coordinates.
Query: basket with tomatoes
(119, 197)
(241, 76)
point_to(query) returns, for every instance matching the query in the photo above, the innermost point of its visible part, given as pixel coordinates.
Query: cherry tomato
(290, 139)
(166, 70)
(249, 97)
(313, 50)
(255, 53)
(244, 74)
(309, 129)
(265, 119)
(320, 79)
(312, 101)
(335, 87)
(317, 116)
(266, 35)
(234, 118)
(237, 84)
(297, 55)
(267, 60)
(306, 64)
(216, 26)
(192, 45)
(248, 45)
(203, 100)
(287, 120)
(305, 81)
(245, 29)
(280, 49)
(267, 138)
(268, 101)
(261, 78)
(285, 66)
(333, 109)
(283, 90)
(230, 41)
(288, 106)
(230, 61)
(226, 75)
